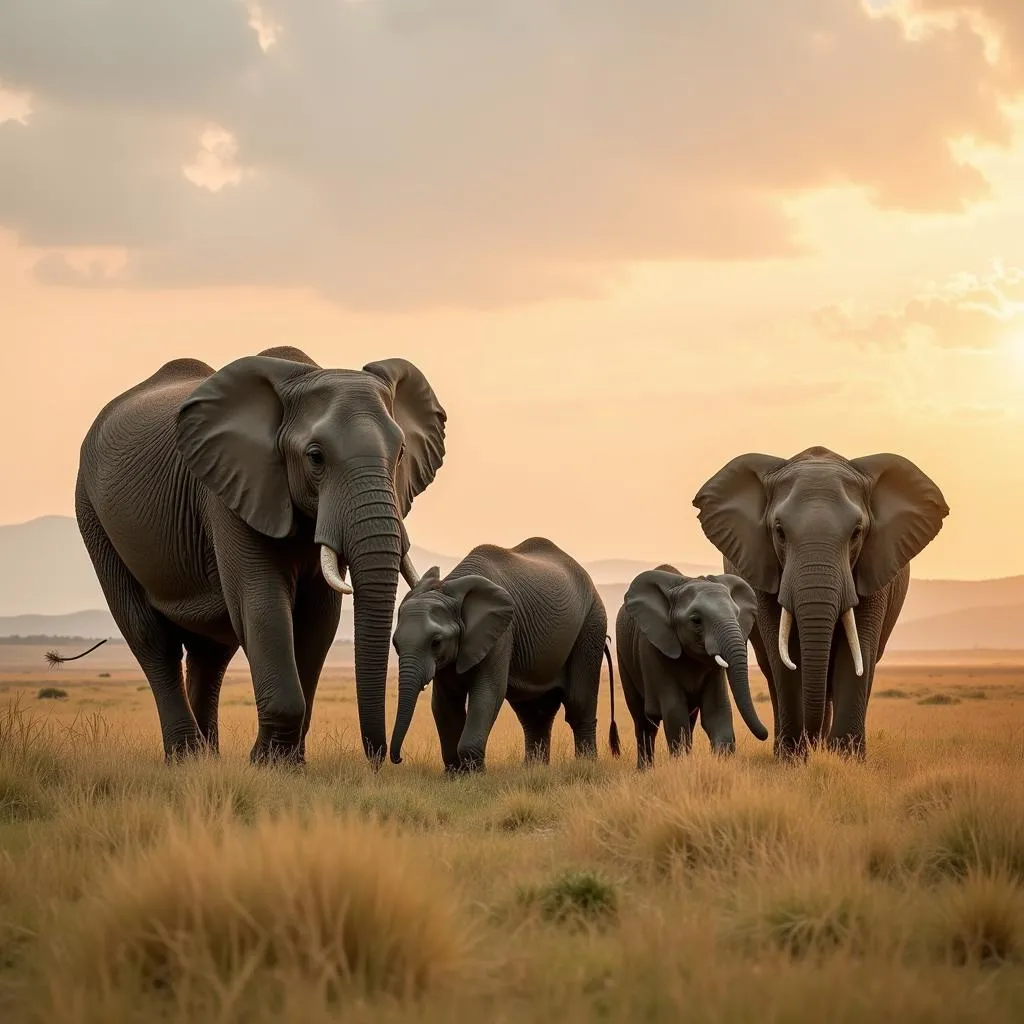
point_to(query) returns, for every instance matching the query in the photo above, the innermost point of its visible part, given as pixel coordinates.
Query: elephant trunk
(816, 614)
(371, 542)
(731, 647)
(413, 675)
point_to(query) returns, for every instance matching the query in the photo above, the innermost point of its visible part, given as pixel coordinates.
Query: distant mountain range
(48, 587)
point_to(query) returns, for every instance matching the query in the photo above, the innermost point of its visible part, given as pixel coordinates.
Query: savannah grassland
(701, 891)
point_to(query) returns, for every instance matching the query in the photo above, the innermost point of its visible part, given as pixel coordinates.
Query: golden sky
(625, 242)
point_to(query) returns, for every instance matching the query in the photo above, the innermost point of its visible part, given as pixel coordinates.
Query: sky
(624, 242)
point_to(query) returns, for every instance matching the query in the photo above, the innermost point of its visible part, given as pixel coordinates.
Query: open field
(702, 891)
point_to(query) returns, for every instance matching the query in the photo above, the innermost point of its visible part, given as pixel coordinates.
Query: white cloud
(397, 154)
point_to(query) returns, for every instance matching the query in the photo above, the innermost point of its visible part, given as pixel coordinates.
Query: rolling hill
(48, 587)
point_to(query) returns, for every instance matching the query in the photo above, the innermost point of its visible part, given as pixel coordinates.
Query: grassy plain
(702, 891)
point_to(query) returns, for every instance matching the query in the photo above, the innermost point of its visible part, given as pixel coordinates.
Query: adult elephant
(823, 540)
(223, 509)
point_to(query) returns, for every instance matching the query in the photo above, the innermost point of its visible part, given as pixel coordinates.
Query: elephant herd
(225, 509)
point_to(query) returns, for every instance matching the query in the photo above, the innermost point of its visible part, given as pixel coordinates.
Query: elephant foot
(723, 748)
(852, 747)
(277, 755)
(185, 748)
(790, 750)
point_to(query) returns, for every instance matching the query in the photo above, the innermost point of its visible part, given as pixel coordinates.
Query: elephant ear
(731, 509)
(486, 611)
(649, 601)
(226, 431)
(743, 597)
(422, 419)
(907, 509)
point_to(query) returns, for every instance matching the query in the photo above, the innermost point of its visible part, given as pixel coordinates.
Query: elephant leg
(646, 733)
(583, 681)
(678, 728)
(268, 640)
(153, 639)
(205, 664)
(486, 694)
(644, 729)
(716, 716)
(783, 683)
(316, 618)
(537, 717)
(449, 710)
(849, 691)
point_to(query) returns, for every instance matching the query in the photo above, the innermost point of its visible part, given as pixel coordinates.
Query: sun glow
(1014, 348)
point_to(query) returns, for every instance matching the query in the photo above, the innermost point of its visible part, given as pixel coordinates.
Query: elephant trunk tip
(396, 756)
(761, 732)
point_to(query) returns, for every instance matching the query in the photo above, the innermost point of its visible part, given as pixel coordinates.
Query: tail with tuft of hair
(53, 658)
(613, 729)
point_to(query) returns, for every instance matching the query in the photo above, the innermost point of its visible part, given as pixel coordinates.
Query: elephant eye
(857, 531)
(315, 455)
(695, 619)
(780, 532)
(401, 452)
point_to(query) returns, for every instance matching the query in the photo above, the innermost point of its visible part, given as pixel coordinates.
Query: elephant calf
(523, 624)
(676, 639)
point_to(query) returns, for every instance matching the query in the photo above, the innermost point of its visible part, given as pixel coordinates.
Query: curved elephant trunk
(370, 540)
(413, 675)
(731, 647)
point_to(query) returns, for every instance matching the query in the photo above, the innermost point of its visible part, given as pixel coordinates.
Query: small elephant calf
(523, 624)
(676, 639)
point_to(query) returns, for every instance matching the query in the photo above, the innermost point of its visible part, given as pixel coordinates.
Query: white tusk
(409, 573)
(850, 625)
(721, 661)
(784, 627)
(329, 567)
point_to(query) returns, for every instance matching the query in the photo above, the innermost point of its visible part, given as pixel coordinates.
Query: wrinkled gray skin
(523, 624)
(216, 506)
(817, 536)
(670, 633)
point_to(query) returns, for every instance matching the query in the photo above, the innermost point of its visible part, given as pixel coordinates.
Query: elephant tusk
(409, 573)
(329, 567)
(784, 629)
(850, 625)
(721, 661)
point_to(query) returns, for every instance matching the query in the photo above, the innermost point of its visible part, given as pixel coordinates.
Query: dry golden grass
(704, 890)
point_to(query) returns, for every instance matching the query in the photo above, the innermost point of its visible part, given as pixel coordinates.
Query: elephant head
(706, 618)
(443, 623)
(818, 532)
(288, 447)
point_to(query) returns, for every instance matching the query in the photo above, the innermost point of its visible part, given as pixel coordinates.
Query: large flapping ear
(907, 509)
(422, 419)
(227, 434)
(731, 513)
(486, 612)
(649, 600)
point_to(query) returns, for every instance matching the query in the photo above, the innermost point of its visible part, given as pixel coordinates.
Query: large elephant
(677, 640)
(223, 509)
(824, 541)
(523, 624)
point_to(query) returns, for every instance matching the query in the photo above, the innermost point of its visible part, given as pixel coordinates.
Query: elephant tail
(53, 658)
(613, 729)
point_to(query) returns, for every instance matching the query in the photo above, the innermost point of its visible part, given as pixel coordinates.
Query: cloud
(967, 312)
(406, 153)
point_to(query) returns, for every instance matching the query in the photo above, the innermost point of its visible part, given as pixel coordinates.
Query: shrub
(217, 907)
